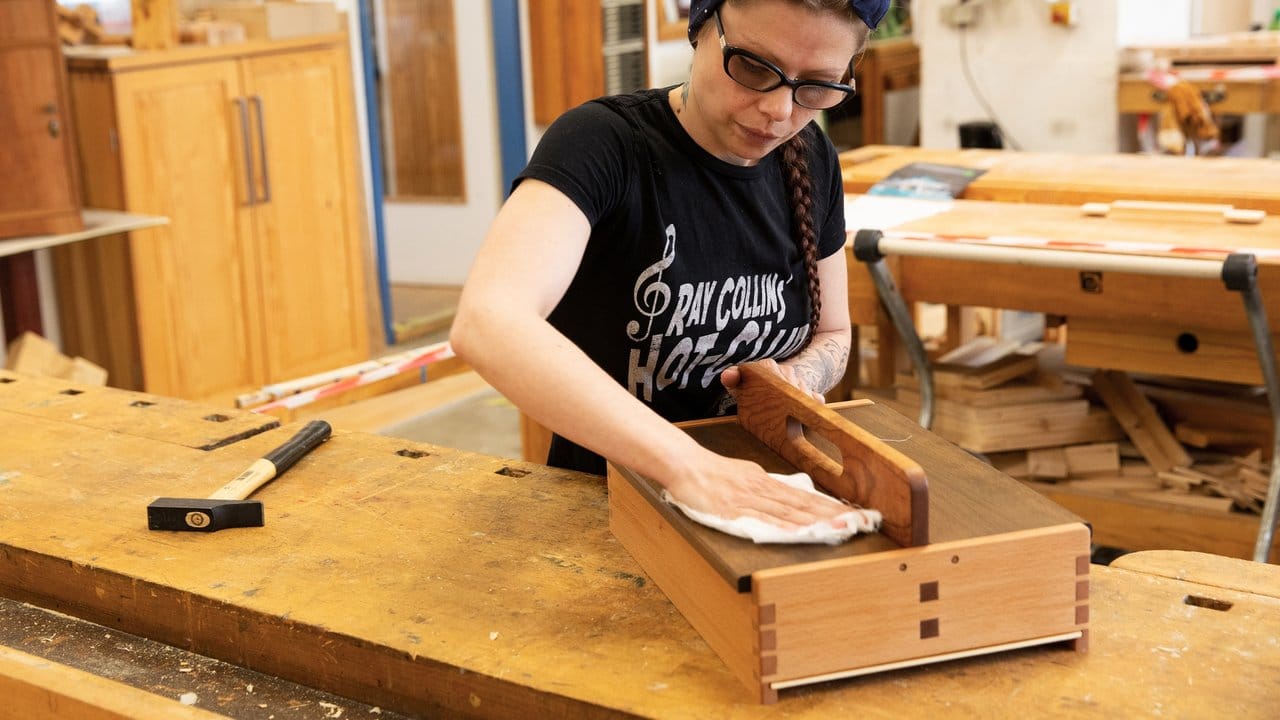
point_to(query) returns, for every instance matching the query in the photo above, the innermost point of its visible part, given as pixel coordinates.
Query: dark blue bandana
(870, 11)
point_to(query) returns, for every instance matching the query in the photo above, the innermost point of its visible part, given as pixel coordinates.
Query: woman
(658, 239)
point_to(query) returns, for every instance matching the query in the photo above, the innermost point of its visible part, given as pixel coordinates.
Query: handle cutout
(822, 450)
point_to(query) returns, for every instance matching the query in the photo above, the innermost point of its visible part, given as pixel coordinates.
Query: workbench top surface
(1066, 227)
(433, 581)
(1067, 179)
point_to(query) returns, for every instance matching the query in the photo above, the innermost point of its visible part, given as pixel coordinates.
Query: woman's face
(740, 125)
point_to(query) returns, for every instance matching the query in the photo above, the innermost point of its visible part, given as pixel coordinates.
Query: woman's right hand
(732, 488)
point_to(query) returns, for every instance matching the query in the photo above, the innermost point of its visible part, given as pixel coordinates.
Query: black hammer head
(200, 515)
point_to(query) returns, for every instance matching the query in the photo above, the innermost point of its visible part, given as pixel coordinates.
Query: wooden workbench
(1065, 179)
(1122, 321)
(1240, 68)
(436, 582)
(885, 66)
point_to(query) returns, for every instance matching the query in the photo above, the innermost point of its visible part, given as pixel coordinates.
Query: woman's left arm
(821, 365)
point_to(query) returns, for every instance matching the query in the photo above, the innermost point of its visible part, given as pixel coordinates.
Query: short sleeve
(585, 154)
(828, 181)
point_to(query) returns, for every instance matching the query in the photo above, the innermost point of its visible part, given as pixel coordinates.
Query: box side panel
(725, 618)
(921, 602)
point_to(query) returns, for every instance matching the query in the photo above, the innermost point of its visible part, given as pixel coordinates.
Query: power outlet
(961, 14)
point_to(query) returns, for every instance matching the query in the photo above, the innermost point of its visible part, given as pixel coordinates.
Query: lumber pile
(80, 26)
(1154, 465)
(31, 354)
(1098, 433)
(992, 397)
(1118, 469)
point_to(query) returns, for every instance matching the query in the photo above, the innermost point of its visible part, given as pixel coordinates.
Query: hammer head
(202, 515)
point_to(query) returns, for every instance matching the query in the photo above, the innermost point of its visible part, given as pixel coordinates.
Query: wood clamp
(1228, 213)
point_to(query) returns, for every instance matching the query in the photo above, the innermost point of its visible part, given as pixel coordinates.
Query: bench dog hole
(1187, 343)
(512, 472)
(141, 403)
(415, 454)
(216, 417)
(1210, 603)
(71, 392)
(6, 381)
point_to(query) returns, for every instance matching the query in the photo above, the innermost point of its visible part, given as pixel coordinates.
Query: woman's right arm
(526, 263)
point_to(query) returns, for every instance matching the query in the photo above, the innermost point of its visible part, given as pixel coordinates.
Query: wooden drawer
(786, 616)
(1179, 350)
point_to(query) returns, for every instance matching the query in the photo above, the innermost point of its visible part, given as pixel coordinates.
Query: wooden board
(143, 671)
(36, 689)
(1134, 523)
(1140, 421)
(1062, 178)
(842, 458)
(1211, 570)
(433, 586)
(1165, 349)
(1236, 47)
(1117, 297)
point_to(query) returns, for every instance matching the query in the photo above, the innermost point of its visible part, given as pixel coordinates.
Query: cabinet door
(182, 153)
(37, 188)
(307, 220)
(566, 53)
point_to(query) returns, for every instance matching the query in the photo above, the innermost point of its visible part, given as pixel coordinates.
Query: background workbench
(1065, 179)
(1179, 327)
(436, 582)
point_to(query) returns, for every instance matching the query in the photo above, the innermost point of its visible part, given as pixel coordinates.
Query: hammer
(227, 508)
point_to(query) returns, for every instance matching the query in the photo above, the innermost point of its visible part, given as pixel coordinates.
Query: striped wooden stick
(386, 367)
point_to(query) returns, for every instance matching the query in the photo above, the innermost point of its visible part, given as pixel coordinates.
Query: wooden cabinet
(38, 194)
(259, 277)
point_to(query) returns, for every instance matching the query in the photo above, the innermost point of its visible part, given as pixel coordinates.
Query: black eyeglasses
(752, 71)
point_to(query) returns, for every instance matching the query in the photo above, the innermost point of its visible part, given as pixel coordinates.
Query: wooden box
(985, 565)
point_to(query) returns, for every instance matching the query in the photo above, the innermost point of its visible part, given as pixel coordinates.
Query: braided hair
(795, 175)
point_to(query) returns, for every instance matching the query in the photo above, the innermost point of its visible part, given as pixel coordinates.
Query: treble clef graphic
(652, 299)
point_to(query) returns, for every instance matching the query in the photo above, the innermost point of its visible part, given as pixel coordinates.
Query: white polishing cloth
(856, 520)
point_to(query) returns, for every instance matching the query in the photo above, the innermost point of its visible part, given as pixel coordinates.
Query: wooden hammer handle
(869, 472)
(275, 462)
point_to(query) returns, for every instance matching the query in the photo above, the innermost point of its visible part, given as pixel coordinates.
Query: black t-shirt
(691, 266)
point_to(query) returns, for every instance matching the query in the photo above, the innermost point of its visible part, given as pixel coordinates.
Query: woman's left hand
(731, 377)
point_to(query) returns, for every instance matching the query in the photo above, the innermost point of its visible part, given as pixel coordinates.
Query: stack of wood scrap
(33, 355)
(1152, 466)
(80, 26)
(992, 396)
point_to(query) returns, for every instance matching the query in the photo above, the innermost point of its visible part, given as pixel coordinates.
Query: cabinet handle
(262, 150)
(247, 148)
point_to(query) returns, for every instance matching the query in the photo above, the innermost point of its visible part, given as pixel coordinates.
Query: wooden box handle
(869, 472)
(1228, 213)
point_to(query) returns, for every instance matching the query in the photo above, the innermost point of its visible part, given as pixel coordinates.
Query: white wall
(1152, 21)
(1052, 87)
(1264, 10)
(435, 243)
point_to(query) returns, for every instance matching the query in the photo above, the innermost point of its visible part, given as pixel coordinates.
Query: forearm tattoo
(822, 364)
